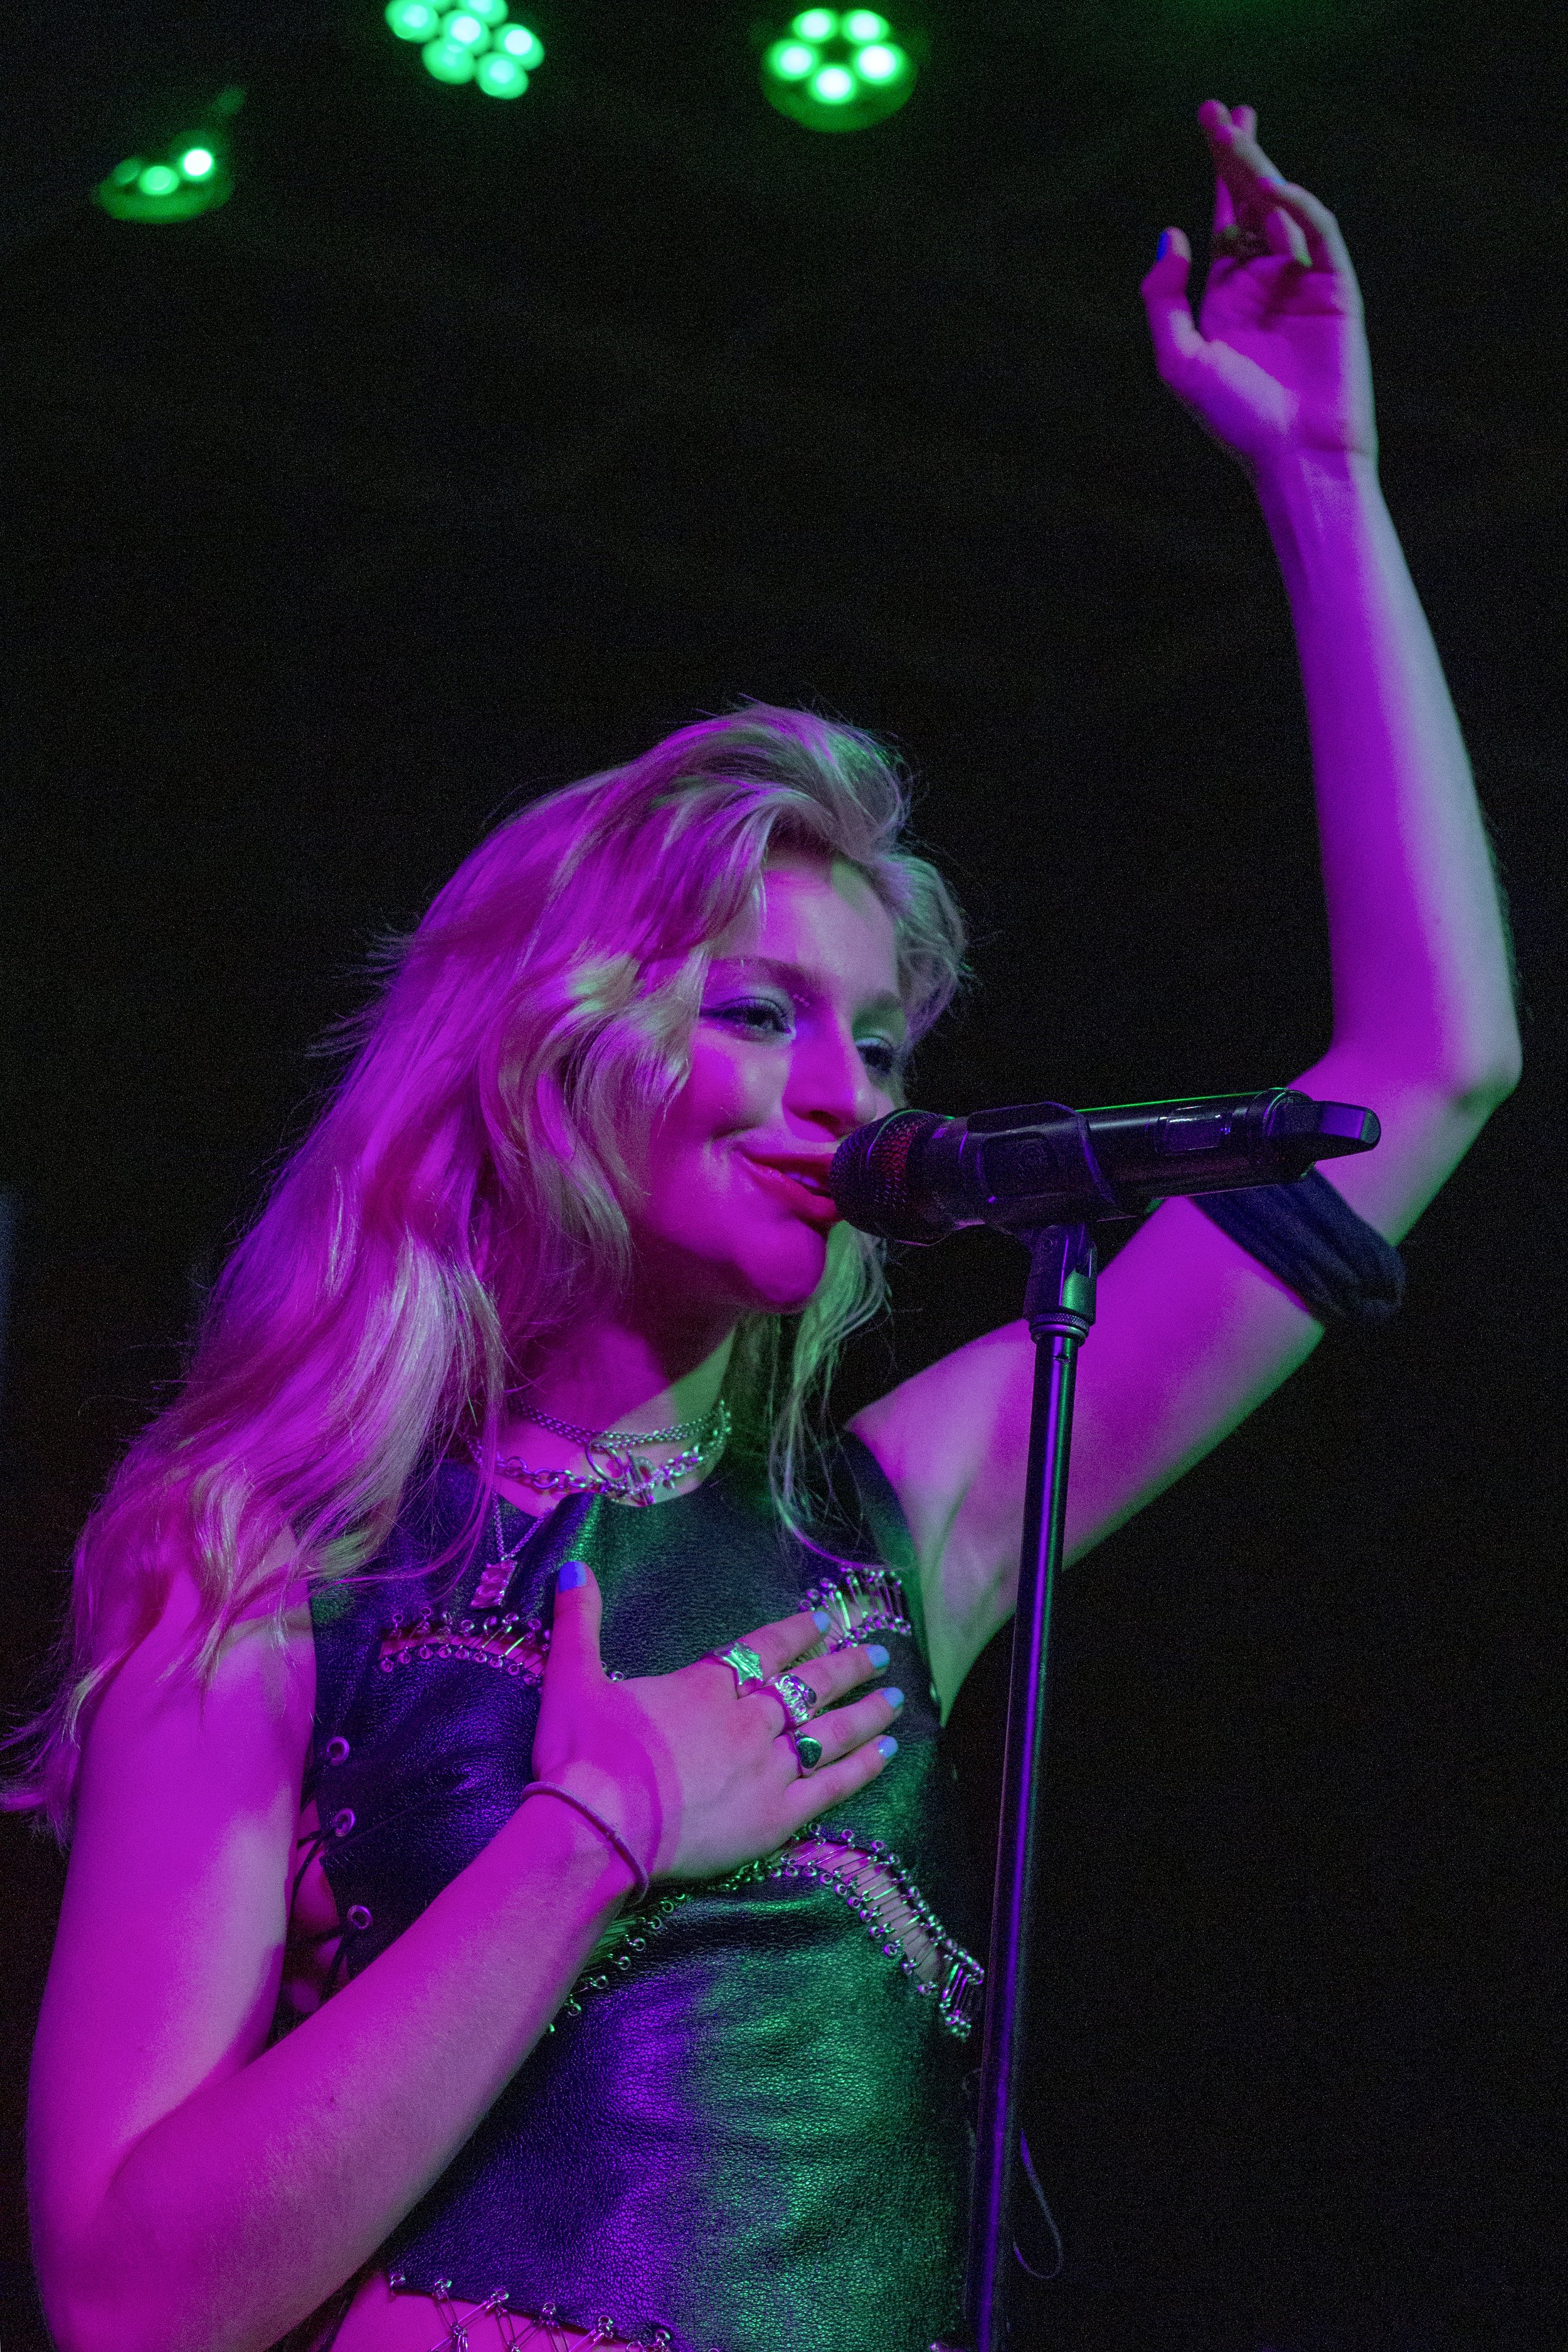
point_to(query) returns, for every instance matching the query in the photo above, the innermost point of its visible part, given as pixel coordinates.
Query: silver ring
(807, 1751)
(744, 1663)
(797, 1698)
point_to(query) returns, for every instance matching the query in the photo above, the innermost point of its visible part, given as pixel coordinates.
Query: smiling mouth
(807, 1190)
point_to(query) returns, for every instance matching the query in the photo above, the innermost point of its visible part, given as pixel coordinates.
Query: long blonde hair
(459, 1198)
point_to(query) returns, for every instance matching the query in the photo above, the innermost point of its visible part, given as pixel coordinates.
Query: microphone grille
(870, 1177)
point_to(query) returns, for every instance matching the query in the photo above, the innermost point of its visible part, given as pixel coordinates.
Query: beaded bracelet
(612, 1837)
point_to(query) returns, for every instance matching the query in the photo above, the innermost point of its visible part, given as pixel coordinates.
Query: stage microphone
(915, 1175)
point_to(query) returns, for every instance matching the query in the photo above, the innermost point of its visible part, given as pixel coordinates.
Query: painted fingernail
(887, 1745)
(821, 1619)
(570, 1575)
(1163, 248)
(893, 1695)
(878, 1656)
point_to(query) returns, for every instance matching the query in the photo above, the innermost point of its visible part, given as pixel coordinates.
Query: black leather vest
(747, 2125)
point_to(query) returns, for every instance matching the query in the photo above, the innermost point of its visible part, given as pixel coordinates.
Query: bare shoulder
(165, 1968)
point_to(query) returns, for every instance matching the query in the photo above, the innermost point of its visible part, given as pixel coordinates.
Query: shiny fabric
(749, 2128)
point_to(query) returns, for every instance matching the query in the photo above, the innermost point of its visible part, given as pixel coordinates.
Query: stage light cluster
(191, 176)
(474, 40)
(837, 69)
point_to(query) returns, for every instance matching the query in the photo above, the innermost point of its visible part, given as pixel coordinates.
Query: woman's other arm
(192, 2190)
(190, 2186)
(1192, 1333)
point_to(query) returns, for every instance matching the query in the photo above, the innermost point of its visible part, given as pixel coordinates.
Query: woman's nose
(830, 1085)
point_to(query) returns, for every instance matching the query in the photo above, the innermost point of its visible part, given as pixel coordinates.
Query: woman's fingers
(814, 1793)
(1251, 191)
(785, 1644)
(848, 1727)
(1172, 327)
(575, 1624)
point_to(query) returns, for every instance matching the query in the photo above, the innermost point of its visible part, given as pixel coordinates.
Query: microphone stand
(1059, 1303)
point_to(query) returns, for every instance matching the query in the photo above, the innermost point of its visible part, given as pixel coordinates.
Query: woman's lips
(805, 1199)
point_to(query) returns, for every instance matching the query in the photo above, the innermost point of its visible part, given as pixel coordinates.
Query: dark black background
(473, 446)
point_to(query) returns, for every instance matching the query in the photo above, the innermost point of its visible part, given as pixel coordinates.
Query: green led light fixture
(474, 40)
(837, 69)
(192, 175)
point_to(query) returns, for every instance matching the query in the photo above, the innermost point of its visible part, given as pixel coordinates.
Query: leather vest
(747, 2125)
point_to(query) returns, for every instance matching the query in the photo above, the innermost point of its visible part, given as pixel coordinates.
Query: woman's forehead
(824, 916)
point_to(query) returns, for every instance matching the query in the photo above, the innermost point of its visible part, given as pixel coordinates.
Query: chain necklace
(700, 1431)
(626, 1478)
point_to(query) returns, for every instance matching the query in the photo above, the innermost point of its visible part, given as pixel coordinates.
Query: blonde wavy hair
(459, 1197)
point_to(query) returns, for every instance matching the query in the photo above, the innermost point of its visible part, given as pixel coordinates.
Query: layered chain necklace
(616, 1463)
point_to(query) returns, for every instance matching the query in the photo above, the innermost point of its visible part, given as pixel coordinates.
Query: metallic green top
(747, 2126)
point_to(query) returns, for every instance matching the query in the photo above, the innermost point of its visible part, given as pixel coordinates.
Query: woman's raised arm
(1192, 1332)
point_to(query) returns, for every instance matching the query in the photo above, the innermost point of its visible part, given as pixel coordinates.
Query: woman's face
(798, 1042)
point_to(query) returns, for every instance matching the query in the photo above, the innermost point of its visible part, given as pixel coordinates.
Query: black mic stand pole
(1059, 1306)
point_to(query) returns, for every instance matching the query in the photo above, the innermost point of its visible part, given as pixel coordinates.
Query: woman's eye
(880, 1056)
(759, 1016)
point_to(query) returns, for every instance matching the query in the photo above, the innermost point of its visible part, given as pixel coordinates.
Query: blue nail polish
(878, 1656)
(821, 1619)
(1163, 248)
(893, 1695)
(887, 1745)
(570, 1575)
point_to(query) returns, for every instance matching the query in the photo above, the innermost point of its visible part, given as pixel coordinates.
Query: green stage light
(518, 42)
(448, 61)
(191, 176)
(837, 71)
(470, 40)
(500, 76)
(413, 20)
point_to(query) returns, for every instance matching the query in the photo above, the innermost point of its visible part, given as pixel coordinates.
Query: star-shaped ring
(744, 1663)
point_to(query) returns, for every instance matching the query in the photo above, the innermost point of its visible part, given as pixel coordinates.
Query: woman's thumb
(575, 1627)
(1164, 292)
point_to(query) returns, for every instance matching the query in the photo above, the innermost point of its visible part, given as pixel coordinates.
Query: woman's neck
(610, 1377)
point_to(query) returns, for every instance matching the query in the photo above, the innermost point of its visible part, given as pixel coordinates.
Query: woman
(425, 2058)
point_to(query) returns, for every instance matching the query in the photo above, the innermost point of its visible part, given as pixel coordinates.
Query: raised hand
(1274, 365)
(697, 1778)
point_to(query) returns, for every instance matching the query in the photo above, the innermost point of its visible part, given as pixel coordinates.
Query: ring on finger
(807, 1751)
(797, 1698)
(1236, 242)
(744, 1663)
